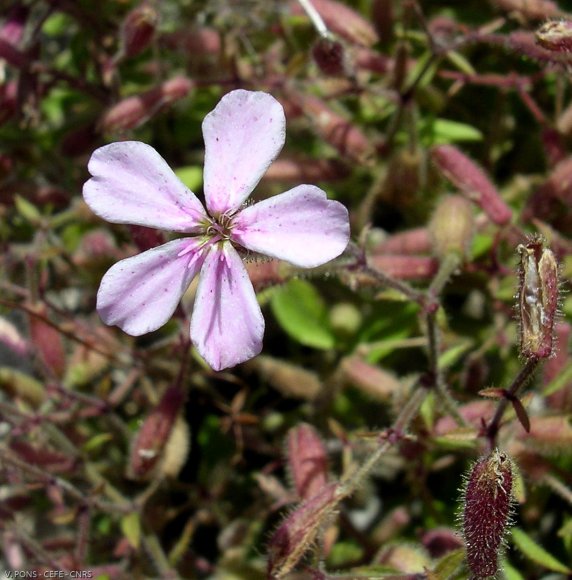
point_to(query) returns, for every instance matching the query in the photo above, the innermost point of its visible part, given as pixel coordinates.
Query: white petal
(227, 325)
(140, 294)
(243, 135)
(132, 184)
(300, 226)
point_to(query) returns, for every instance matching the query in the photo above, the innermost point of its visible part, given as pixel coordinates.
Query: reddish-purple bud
(146, 238)
(405, 267)
(306, 170)
(346, 137)
(136, 110)
(555, 35)
(137, 30)
(530, 9)
(330, 57)
(414, 241)
(154, 434)
(537, 299)
(47, 340)
(370, 379)
(472, 181)
(299, 530)
(13, 27)
(487, 506)
(343, 21)
(307, 460)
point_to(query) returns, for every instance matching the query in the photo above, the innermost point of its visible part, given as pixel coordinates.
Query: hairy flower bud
(299, 530)
(487, 506)
(555, 35)
(472, 181)
(138, 30)
(452, 227)
(537, 299)
(133, 111)
(307, 460)
(343, 21)
(289, 379)
(338, 131)
(47, 340)
(531, 9)
(329, 56)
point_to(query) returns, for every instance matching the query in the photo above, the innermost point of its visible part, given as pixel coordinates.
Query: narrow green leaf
(302, 313)
(537, 553)
(444, 131)
(510, 573)
(450, 563)
(26, 209)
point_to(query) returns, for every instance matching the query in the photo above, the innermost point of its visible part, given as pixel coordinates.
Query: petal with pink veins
(132, 184)
(227, 325)
(243, 135)
(140, 294)
(300, 226)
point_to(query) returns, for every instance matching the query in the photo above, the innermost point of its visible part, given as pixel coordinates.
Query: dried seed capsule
(487, 506)
(329, 56)
(537, 299)
(555, 35)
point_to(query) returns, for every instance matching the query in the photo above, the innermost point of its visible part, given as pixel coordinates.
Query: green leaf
(191, 176)
(444, 131)
(537, 553)
(131, 528)
(450, 563)
(26, 209)
(97, 441)
(302, 313)
(458, 60)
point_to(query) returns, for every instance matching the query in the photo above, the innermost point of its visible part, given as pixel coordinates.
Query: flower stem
(520, 380)
(354, 480)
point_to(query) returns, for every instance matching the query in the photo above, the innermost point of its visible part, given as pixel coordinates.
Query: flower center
(220, 226)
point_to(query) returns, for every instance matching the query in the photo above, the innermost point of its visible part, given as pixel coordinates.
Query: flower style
(132, 184)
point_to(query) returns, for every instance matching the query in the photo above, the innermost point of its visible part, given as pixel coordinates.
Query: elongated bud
(537, 299)
(343, 21)
(472, 181)
(405, 267)
(138, 30)
(370, 379)
(299, 530)
(307, 460)
(487, 505)
(136, 110)
(531, 9)
(306, 170)
(154, 434)
(338, 131)
(555, 35)
(47, 340)
(414, 241)
(291, 380)
(452, 227)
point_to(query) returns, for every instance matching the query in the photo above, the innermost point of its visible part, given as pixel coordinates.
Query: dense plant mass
(409, 413)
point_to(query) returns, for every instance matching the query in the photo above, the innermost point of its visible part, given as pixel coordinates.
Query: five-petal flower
(132, 184)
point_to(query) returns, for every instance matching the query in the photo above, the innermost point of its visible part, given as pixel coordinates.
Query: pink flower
(132, 184)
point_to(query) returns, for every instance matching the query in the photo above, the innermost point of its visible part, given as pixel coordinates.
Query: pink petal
(132, 184)
(300, 226)
(140, 294)
(227, 324)
(243, 135)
